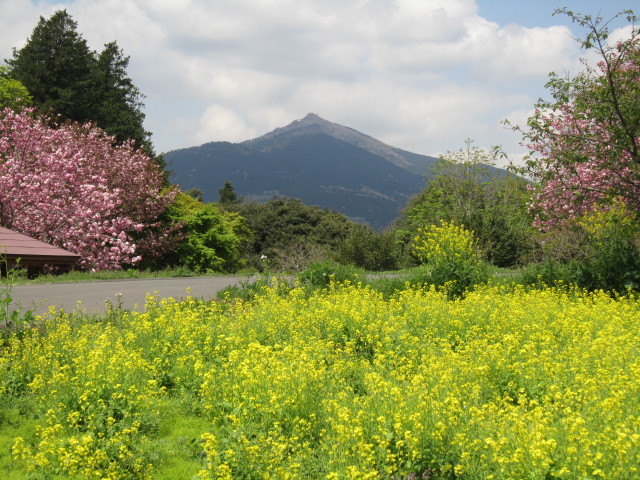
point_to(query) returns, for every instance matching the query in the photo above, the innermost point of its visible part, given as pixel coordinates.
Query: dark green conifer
(66, 78)
(56, 66)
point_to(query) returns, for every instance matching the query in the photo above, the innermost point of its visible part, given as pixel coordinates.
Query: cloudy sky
(422, 75)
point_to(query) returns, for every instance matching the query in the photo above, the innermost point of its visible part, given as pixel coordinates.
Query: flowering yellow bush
(451, 256)
(505, 384)
(444, 243)
(616, 215)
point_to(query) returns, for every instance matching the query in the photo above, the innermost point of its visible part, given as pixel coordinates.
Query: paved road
(130, 293)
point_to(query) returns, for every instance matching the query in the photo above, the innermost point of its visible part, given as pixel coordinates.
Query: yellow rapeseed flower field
(506, 383)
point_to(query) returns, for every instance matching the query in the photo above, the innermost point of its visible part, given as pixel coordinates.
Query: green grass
(82, 276)
(177, 443)
(383, 281)
(176, 448)
(15, 421)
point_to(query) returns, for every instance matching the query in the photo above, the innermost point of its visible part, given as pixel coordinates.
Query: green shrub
(368, 249)
(283, 222)
(612, 260)
(598, 251)
(549, 273)
(323, 273)
(464, 189)
(212, 237)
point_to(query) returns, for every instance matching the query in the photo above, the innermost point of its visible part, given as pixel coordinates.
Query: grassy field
(344, 383)
(20, 276)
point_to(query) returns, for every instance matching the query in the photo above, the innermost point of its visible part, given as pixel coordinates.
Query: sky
(421, 75)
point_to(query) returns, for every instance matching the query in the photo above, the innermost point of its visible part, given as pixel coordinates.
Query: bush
(599, 250)
(298, 255)
(323, 273)
(465, 189)
(211, 237)
(282, 222)
(450, 257)
(549, 273)
(612, 260)
(368, 249)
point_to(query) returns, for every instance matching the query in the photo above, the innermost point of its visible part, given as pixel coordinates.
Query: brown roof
(31, 251)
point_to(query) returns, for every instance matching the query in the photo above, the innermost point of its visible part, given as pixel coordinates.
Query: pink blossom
(70, 186)
(586, 157)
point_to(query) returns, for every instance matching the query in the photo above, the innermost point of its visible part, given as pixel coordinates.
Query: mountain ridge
(313, 122)
(319, 162)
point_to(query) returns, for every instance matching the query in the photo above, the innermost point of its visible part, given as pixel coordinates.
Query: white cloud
(221, 123)
(422, 75)
(514, 52)
(16, 23)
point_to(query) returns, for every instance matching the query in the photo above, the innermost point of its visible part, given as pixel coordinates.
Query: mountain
(312, 123)
(317, 161)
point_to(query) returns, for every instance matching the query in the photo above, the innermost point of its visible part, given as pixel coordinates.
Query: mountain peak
(312, 118)
(314, 124)
(311, 123)
(309, 120)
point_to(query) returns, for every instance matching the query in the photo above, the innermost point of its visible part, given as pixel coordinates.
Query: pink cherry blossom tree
(585, 144)
(73, 187)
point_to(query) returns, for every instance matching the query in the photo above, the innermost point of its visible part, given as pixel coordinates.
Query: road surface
(130, 294)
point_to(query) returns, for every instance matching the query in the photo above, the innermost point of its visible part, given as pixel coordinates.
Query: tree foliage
(211, 238)
(465, 190)
(227, 194)
(72, 187)
(13, 94)
(585, 142)
(119, 108)
(283, 222)
(66, 78)
(367, 248)
(56, 66)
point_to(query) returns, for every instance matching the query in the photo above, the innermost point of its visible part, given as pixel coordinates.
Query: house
(31, 253)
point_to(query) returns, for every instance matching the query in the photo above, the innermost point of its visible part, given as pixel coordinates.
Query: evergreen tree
(56, 66)
(66, 78)
(227, 194)
(119, 110)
